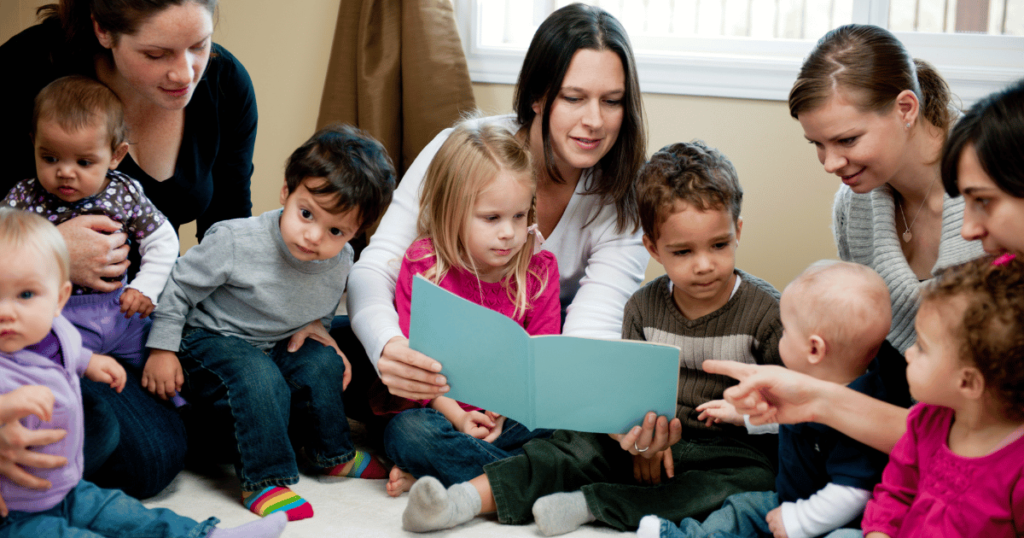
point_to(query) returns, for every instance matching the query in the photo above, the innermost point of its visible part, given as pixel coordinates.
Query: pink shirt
(929, 491)
(543, 315)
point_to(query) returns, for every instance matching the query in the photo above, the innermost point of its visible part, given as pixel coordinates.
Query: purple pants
(106, 331)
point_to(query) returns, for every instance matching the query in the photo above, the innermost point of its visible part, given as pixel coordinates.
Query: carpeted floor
(349, 508)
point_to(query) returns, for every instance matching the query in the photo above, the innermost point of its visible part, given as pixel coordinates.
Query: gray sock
(267, 527)
(431, 507)
(560, 513)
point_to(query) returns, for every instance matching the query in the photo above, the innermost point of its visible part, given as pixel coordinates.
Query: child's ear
(119, 154)
(972, 383)
(651, 248)
(63, 294)
(818, 349)
(739, 228)
(284, 193)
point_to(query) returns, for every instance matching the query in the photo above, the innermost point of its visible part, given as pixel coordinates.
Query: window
(754, 48)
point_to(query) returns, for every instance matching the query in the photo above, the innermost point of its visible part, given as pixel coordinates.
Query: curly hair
(992, 332)
(690, 172)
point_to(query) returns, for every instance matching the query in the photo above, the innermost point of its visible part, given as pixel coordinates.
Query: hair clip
(538, 239)
(1004, 259)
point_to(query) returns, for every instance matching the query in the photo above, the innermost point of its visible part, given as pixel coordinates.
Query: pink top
(543, 315)
(929, 491)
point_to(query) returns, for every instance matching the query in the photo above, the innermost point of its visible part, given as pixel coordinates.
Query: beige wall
(285, 47)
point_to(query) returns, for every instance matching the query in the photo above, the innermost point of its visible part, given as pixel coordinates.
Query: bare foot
(399, 481)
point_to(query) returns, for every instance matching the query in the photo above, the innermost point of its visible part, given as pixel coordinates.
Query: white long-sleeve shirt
(599, 267)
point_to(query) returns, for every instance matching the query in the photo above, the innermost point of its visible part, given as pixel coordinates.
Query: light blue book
(558, 382)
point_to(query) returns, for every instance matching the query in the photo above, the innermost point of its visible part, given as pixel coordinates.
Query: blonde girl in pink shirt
(477, 240)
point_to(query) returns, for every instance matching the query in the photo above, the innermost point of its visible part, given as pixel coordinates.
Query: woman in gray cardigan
(878, 119)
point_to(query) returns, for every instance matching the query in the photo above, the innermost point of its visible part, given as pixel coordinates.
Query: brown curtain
(398, 72)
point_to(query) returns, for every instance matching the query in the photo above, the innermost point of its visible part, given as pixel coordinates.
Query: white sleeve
(830, 508)
(158, 251)
(770, 428)
(613, 272)
(371, 283)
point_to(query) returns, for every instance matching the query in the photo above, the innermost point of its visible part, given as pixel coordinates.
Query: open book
(559, 382)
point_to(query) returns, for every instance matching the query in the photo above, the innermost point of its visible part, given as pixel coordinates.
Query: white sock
(431, 507)
(267, 527)
(560, 513)
(650, 527)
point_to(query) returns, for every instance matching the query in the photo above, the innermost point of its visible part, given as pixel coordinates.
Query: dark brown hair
(355, 169)
(992, 332)
(689, 172)
(872, 67)
(75, 102)
(115, 16)
(559, 37)
(994, 127)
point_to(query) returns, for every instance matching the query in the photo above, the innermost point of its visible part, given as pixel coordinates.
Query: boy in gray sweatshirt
(233, 302)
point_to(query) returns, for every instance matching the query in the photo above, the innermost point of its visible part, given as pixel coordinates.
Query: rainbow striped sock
(275, 499)
(363, 465)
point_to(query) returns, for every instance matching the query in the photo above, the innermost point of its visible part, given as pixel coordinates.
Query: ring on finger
(638, 448)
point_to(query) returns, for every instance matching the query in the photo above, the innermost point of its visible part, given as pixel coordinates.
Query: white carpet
(346, 508)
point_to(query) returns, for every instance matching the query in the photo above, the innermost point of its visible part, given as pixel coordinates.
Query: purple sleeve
(140, 217)
(895, 493)
(545, 314)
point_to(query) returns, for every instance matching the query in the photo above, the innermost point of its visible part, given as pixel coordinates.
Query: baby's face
(73, 165)
(794, 347)
(31, 295)
(309, 229)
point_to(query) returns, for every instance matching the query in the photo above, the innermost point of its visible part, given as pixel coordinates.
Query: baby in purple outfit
(79, 138)
(41, 358)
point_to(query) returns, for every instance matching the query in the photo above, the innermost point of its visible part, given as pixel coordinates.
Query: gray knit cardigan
(865, 230)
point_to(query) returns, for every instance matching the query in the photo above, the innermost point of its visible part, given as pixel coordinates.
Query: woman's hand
(97, 249)
(770, 393)
(317, 332)
(16, 440)
(410, 374)
(655, 434)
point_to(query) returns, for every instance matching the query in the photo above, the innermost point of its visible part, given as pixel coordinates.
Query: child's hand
(162, 374)
(316, 331)
(717, 411)
(27, 400)
(774, 519)
(648, 470)
(134, 301)
(104, 369)
(499, 424)
(475, 424)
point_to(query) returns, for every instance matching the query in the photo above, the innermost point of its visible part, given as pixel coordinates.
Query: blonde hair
(847, 304)
(468, 161)
(20, 229)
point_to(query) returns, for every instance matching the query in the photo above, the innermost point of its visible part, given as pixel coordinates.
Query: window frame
(974, 65)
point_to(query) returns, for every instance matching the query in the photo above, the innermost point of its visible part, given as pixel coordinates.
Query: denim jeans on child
(89, 511)
(741, 516)
(423, 442)
(270, 395)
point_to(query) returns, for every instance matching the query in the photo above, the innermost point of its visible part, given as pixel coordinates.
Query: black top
(211, 180)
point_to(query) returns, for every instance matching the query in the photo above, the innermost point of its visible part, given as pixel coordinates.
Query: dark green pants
(706, 472)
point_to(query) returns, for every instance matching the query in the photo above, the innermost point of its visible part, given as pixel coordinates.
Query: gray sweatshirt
(242, 281)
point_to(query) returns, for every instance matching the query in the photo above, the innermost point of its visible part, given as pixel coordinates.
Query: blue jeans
(88, 511)
(741, 516)
(133, 441)
(268, 395)
(423, 442)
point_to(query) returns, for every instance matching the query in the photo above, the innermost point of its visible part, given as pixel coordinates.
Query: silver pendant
(907, 236)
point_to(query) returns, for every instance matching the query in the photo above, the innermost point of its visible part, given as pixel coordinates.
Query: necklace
(907, 236)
